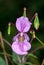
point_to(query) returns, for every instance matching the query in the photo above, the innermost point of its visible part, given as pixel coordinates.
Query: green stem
(37, 49)
(39, 40)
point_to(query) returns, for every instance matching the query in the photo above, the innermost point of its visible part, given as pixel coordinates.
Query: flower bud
(9, 28)
(33, 34)
(36, 22)
(24, 13)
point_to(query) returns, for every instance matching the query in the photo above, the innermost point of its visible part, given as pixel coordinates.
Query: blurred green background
(11, 9)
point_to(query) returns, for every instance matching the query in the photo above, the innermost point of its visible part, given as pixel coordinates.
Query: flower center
(21, 38)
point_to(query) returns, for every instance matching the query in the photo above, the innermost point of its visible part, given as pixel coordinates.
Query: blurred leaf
(20, 64)
(2, 62)
(33, 59)
(15, 59)
(32, 55)
(29, 63)
(13, 30)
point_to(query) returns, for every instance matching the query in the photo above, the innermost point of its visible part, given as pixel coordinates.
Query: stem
(2, 44)
(34, 51)
(6, 42)
(7, 56)
(10, 60)
(37, 49)
(33, 16)
(19, 59)
(10, 46)
(39, 40)
(23, 59)
(11, 57)
(34, 36)
(42, 62)
(31, 39)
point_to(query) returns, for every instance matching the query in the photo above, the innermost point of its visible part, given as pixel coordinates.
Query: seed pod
(36, 22)
(9, 28)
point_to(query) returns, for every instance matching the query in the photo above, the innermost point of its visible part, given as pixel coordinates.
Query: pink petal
(16, 49)
(15, 38)
(27, 46)
(24, 46)
(23, 24)
(26, 37)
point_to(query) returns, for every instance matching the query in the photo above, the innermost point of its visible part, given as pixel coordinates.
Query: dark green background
(11, 9)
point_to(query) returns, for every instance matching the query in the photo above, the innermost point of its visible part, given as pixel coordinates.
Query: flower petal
(26, 36)
(15, 38)
(24, 46)
(16, 49)
(27, 46)
(23, 24)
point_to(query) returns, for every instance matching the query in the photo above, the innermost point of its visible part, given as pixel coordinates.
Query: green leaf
(20, 64)
(32, 55)
(29, 63)
(36, 22)
(15, 59)
(2, 62)
(34, 59)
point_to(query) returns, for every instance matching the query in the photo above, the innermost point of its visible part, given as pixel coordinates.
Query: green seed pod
(36, 22)
(9, 28)
(24, 13)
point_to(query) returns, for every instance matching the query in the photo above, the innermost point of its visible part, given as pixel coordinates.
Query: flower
(21, 43)
(15, 38)
(21, 46)
(23, 24)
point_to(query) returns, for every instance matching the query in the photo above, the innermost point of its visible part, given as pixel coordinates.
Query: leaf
(36, 22)
(15, 59)
(32, 55)
(2, 62)
(20, 64)
(29, 63)
(34, 59)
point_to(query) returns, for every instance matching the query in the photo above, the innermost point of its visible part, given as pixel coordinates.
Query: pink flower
(21, 46)
(21, 43)
(23, 24)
